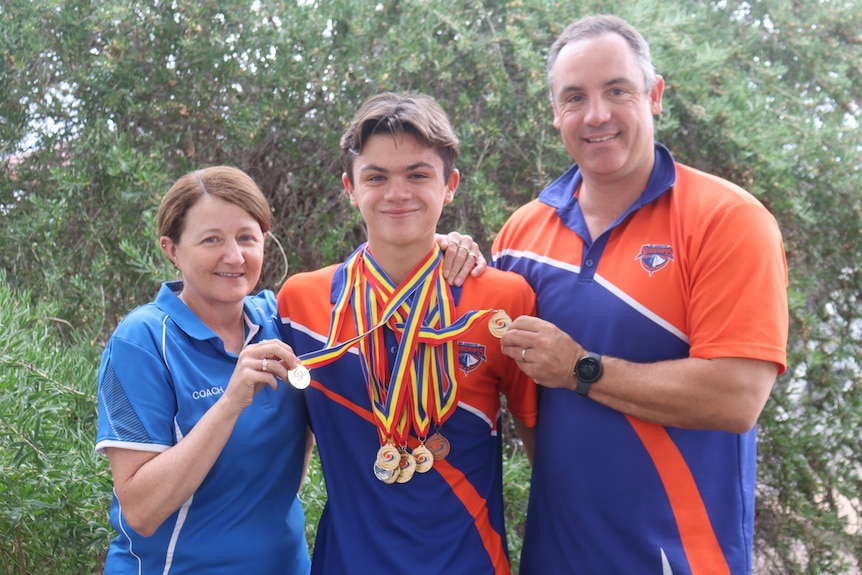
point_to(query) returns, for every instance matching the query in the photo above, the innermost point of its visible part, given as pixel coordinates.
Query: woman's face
(220, 253)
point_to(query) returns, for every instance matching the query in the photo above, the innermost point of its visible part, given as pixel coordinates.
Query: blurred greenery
(104, 103)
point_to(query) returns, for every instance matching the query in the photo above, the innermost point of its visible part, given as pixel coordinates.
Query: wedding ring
(473, 255)
(462, 247)
(456, 244)
(263, 361)
(523, 354)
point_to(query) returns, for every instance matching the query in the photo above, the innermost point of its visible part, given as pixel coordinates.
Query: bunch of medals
(422, 385)
(394, 465)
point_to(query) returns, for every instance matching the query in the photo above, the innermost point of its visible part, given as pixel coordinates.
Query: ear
(557, 121)
(655, 96)
(169, 248)
(349, 189)
(451, 186)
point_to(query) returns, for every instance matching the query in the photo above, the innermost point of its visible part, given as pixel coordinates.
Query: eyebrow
(217, 231)
(608, 84)
(410, 168)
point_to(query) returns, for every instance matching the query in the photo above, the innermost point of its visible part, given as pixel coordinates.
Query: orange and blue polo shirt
(694, 268)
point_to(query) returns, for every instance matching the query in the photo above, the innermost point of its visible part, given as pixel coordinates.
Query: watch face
(589, 369)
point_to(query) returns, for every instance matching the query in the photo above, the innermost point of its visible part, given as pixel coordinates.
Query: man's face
(602, 109)
(399, 188)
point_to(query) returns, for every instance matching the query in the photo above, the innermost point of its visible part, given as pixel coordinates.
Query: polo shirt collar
(560, 194)
(168, 301)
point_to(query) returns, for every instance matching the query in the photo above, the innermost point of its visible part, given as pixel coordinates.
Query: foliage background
(104, 103)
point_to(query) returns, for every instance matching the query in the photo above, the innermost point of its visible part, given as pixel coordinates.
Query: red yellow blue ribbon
(423, 383)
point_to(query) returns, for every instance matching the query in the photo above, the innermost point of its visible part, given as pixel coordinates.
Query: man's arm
(725, 394)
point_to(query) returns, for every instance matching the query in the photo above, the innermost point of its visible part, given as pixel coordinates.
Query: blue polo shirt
(161, 370)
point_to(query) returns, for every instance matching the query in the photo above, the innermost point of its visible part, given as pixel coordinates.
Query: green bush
(55, 489)
(102, 104)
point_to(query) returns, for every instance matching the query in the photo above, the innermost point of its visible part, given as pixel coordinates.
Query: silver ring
(263, 361)
(523, 354)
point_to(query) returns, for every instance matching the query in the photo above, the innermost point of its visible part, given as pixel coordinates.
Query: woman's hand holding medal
(263, 364)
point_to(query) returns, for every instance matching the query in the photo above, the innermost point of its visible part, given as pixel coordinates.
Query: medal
(388, 457)
(420, 387)
(438, 446)
(498, 323)
(424, 459)
(387, 476)
(406, 468)
(299, 377)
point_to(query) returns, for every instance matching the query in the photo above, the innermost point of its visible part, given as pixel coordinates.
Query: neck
(225, 321)
(602, 202)
(398, 261)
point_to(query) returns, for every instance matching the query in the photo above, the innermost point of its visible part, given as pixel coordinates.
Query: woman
(207, 443)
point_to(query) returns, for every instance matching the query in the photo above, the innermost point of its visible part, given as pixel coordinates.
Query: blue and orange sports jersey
(694, 268)
(449, 519)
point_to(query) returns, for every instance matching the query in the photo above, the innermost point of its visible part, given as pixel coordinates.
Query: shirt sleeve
(137, 401)
(520, 391)
(739, 288)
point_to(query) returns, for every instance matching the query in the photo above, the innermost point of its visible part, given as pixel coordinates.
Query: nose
(233, 253)
(598, 112)
(397, 189)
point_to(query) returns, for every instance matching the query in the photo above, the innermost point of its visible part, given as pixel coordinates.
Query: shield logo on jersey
(470, 356)
(654, 257)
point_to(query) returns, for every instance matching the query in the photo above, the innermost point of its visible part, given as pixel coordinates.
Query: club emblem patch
(470, 356)
(654, 257)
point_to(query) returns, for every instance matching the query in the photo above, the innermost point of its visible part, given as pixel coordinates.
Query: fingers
(481, 264)
(267, 360)
(461, 259)
(274, 349)
(542, 351)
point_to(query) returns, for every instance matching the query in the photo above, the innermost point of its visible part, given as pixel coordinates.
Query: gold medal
(388, 457)
(499, 323)
(406, 468)
(299, 377)
(438, 446)
(424, 459)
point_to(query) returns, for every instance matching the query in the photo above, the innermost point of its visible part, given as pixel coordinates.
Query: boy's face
(400, 190)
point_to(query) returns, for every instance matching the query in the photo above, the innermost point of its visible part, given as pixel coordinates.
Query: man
(407, 375)
(662, 325)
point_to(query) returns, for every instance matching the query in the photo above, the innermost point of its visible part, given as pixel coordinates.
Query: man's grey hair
(593, 26)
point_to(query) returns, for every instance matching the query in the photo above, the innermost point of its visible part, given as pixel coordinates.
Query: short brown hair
(390, 113)
(225, 182)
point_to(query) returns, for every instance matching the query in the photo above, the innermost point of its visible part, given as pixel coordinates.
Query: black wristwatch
(587, 371)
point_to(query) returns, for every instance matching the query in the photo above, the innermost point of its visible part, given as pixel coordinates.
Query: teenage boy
(407, 372)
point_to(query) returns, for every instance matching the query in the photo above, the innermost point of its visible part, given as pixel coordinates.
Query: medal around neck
(406, 467)
(438, 445)
(424, 459)
(388, 476)
(299, 377)
(388, 457)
